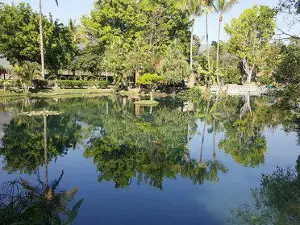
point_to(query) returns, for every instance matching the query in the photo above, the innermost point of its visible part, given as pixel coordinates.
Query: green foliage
(276, 200)
(81, 84)
(174, 67)
(289, 69)
(151, 80)
(24, 203)
(41, 84)
(250, 35)
(26, 72)
(133, 36)
(19, 37)
(23, 148)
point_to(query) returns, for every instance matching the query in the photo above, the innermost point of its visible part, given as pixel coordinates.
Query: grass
(147, 102)
(58, 92)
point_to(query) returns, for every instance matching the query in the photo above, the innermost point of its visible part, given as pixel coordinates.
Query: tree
(194, 8)
(42, 39)
(250, 35)
(152, 81)
(138, 31)
(291, 10)
(26, 73)
(208, 8)
(222, 6)
(174, 67)
(289, 69)
(19, 38)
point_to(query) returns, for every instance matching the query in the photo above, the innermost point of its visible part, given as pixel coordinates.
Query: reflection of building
(5, 118)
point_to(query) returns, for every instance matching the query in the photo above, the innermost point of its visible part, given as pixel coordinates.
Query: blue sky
(76, 8)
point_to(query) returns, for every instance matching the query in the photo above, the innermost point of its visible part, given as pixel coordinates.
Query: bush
(289, 69)
(42, 84)
(68, 84)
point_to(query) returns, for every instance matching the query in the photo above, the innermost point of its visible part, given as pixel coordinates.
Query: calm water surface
(110, 161)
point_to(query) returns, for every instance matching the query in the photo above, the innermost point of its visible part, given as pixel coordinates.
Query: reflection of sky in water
(180, 202)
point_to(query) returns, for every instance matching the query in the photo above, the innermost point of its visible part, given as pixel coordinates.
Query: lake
(107, 160)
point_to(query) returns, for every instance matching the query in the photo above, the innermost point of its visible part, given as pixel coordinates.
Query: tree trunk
(207, 43)
(42, 42)
(46, 152)
(248, 69)
(187, 154)
(214, 140)
(192, 77)
(204, 131)
(151, 95)
(137, 74)
(218, 47)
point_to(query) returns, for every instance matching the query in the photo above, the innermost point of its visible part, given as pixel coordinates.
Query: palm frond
(228, 5)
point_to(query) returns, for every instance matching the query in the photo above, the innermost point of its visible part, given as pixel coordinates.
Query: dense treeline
(127, 39)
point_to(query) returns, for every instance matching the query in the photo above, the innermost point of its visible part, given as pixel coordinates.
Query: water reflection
(132, 145)
(20, 201)
(24, 203)
(276, 201)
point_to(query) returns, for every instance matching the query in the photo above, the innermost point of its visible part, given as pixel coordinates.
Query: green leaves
(150, 79)
(19, 38)
(250, 35)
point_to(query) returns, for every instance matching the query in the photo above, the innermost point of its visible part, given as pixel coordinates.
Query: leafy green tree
(132, 36)
(250, 35)
(19, 38)
(289, 70)
(222, 6)
(174, 68)
(152, 81)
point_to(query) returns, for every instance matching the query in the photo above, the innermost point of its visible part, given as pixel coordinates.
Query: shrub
(289, 69)
(68, 84)
(41, 84)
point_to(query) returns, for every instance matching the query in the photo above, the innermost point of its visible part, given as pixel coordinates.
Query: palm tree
(208, 7)
(215, 165)
(194, 8)
(42, 40)
(222, 6)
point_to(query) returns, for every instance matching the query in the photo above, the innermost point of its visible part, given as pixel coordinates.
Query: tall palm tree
(42, 39)
(208, 7)
(222, 6)
(194, 8)
(204, 130)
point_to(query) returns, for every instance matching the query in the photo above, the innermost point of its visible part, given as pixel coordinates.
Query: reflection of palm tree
(44, 114)
(200, 173)
(204, 131)
(24, 203)
(214, 166)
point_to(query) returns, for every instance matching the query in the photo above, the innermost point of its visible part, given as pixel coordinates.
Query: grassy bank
(58, 92)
